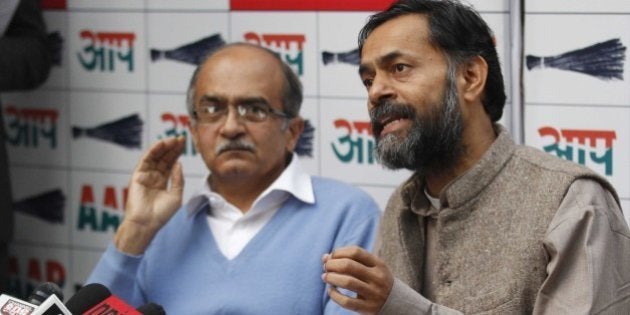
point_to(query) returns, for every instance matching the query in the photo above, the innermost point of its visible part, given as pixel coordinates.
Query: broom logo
(54, 43)
(304, 146)
(47, 206)
(603, 60)
(126, 131)
(192, 53)
(349, 57)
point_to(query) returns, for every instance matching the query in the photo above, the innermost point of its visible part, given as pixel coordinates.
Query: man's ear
(474, 74)
(293, 132)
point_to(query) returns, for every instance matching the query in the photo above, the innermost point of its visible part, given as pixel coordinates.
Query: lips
(234, 149)
(386, 115)
(385, 121)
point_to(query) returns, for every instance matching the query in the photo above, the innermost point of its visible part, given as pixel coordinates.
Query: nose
(233, 125)
(380, 90)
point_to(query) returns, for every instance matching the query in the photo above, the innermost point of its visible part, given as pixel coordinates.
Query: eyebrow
(251, 100)
(212, 99)
(238, 100)
(387, 58)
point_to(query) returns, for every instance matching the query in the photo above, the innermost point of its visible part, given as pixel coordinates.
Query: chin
(233, 171)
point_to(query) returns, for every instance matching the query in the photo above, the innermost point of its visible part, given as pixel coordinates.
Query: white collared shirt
(232, 229)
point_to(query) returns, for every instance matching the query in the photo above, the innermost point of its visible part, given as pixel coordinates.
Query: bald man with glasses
(250, 240)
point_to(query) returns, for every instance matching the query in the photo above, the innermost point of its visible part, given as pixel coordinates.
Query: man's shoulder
(330, 184)
(545, 161)
(339, 192)
(557, 167)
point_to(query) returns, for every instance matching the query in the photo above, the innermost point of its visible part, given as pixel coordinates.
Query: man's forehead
(404, 26)
(409, 29)
(245, 51)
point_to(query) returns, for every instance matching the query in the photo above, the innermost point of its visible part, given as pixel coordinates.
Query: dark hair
(292, 89)
(459, 32)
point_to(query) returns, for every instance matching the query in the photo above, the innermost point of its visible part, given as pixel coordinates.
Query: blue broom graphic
(602, 60)
(349, 57)
(47, 206)
(126, 131)
(192, 53)
(304, 146)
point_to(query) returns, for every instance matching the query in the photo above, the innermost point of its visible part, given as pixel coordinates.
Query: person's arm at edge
(151, 202)
(588, 243)
(119, 273)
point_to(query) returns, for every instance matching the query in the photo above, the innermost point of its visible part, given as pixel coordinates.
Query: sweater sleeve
(119, 273)
(357, 229)
(360, 229)
(403, 300)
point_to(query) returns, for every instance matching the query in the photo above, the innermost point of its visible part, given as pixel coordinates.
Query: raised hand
(352, 268)
(151, 201)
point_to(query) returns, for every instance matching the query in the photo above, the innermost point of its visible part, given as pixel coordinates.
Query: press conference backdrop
(123, 66)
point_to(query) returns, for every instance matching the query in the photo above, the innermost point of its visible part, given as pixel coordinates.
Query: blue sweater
(278, 272)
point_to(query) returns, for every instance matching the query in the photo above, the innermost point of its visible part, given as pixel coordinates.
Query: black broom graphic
(349, 57)
(47, 206)
(602, 60)
(304, 146)
(190, 53)
(126, 132)
(54, 42)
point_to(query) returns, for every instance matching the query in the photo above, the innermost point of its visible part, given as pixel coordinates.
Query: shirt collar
(293, 180)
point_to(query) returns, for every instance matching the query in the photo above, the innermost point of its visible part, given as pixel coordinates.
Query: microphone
(112, 305)
(88, 296)
(11, 305)
(151, 309)
(52, 306)
(44, 290)
(96, 299)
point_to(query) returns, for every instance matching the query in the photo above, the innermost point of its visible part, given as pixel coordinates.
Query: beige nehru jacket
(561, 247)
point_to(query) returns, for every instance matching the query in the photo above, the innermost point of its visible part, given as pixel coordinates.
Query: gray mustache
(235, 145)
(389, 108)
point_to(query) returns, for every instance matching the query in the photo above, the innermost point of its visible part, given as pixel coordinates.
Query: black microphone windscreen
(88, 296)
(151, 309)
(42, 291)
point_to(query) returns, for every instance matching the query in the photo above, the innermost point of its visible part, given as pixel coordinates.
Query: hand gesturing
(151, 202)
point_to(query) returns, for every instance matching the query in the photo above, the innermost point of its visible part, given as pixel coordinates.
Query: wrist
(133, 239)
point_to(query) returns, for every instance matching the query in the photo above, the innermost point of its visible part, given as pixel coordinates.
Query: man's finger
(349, 283)
(177, 178)
(357, 254)
(349, 267)
(347, 302)
(174, 148)
(150, 159)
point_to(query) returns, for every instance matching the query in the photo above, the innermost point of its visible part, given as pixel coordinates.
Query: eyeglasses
(251, 112)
